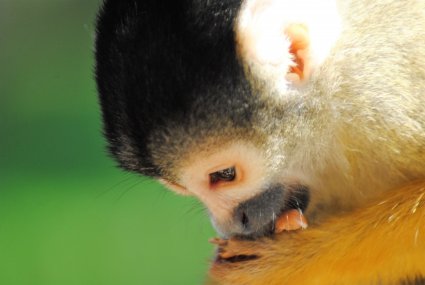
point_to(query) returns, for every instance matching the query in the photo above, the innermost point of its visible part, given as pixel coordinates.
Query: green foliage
(67, 215)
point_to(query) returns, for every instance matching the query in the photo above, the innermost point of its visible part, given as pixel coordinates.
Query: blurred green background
(67, 214)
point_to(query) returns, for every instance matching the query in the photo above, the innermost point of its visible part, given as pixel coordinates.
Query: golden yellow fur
(381, 243)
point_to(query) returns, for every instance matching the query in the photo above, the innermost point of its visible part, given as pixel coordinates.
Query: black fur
(162, 63)
(414, 281)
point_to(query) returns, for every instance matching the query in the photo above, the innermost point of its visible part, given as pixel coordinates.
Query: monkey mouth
(291, 216)
(278, 209)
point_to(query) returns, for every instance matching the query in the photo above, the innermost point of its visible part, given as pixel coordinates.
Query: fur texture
(171, 86)
(379, 243)
(175, 90)
(165, 70)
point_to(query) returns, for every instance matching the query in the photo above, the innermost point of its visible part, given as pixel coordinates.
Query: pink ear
(300, 51)
(263, 45)
(175, 187)
(282, 41)
(287, 51)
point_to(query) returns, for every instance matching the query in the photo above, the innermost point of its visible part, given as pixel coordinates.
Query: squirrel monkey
(264, 106)
(268, 111)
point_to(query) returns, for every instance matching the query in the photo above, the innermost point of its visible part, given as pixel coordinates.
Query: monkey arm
(381, 243)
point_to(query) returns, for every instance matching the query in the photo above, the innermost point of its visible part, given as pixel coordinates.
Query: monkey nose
(255, 217)
(272, 211)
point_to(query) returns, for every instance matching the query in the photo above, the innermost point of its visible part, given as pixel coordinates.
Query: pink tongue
(290, 220)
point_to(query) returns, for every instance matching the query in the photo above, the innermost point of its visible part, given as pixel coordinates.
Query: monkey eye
(225, 175)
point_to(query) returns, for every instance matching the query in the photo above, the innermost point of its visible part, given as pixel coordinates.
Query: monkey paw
(235, 258)
(235, 250)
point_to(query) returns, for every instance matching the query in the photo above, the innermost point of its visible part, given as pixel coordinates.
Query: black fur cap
(162, 62)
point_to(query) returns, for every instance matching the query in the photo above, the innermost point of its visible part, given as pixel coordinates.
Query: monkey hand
(242, 261)
(234, 250)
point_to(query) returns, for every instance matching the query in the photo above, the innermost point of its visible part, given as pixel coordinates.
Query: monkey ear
(283, 41)
(175, 187)
(299, 45)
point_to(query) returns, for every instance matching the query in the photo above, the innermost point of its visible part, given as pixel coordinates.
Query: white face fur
(220, 195)
(238, 173)
(223, 179)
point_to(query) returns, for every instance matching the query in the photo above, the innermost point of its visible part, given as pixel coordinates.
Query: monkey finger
(235, 250)
(218, 241)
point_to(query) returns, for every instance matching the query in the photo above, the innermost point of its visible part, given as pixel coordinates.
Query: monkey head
(179, 105)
